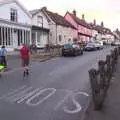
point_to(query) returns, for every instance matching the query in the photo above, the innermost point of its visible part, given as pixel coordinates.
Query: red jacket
(24, 52)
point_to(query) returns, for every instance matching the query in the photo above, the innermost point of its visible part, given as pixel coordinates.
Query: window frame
(13, 15)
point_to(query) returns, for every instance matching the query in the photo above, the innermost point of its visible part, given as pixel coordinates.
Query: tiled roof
(79, 21)
(58, 19)
(101, 29)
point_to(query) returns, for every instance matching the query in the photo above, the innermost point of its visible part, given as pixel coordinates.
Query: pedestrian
(25, 58)
(3, 53)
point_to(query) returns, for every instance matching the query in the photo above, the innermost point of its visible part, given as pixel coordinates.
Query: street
(57, 89)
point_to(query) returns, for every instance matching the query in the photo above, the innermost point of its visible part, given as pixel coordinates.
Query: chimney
(83, 17)
(94, 21)
(44, 8)
(74, 12)
(102, 24)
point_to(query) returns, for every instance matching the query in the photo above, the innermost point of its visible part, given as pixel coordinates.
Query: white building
(108, 38)
(61, 31)
(15, 24)
(40, 28)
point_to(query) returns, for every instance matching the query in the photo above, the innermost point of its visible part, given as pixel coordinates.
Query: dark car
(90, 47)
(71, 50)
(115, 43)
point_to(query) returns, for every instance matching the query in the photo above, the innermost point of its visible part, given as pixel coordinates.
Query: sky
(107, 11)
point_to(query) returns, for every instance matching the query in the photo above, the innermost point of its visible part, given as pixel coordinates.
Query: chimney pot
(94, 21)
(83, 17)
(74, 12)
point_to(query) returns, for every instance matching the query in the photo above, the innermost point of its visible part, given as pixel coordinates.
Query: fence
(100, 78)
(48, 50)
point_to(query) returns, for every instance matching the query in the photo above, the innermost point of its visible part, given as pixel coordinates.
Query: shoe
(27, 72)
(24, 74)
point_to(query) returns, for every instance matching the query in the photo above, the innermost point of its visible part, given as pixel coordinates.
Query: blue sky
(103, 10)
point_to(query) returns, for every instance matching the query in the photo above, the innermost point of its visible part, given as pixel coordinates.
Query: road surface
(58, 89)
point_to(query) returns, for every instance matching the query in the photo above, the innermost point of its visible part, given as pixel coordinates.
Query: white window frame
(15, 15)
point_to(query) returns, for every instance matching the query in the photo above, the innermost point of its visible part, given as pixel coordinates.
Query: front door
(15, 38)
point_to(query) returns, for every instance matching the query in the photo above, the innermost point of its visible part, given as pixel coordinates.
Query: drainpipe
(56, 35)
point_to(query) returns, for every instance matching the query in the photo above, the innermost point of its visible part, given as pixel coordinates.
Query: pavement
(111, 108)
(57, 89)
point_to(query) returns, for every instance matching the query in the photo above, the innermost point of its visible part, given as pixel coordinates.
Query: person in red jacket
(25, 57)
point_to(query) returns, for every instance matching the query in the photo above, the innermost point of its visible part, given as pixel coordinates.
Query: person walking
(3, 53)
(25, 58)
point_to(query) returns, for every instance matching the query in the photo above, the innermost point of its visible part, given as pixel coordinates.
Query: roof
(3, 2)
(79, 21)
(34, 27)
(55, 17)
(34, 12)
(58, 19)
(101, 29)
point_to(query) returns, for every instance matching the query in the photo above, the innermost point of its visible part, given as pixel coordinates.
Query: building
(15, 24)
(61, 31)
(40, 28)
(83, 31)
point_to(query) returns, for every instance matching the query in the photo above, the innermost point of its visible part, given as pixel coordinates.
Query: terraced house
(40, 28)
(61, 31)
(15, 24)
(83, 30)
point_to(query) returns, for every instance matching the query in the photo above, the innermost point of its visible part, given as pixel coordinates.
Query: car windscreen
(90, 45)
(67, 46)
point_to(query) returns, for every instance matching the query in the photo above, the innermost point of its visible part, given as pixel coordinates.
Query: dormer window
(40, 20)
(13, 15)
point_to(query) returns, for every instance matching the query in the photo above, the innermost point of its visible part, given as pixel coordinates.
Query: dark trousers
(3, 61)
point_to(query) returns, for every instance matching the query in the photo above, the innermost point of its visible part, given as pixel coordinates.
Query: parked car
(99, 44)
(116, 43)
(90, 47)
(72, 50)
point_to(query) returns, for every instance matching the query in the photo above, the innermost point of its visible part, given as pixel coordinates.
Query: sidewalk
(111, 108)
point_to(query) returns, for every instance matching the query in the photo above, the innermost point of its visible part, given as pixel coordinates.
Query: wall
(52, 36)
(94, 33)
(70, 19)
(84, 30)
(45, 22)
(66, 34)
(22, 16)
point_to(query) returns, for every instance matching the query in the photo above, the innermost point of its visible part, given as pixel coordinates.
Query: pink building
(83, 31)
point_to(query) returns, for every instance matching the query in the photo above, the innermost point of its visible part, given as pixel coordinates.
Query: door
(15, 38)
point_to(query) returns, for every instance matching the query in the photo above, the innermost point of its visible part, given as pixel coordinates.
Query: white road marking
(64, 99)
(17, 96)
(28, 102)
(78, 107)
(82, 93)
(13, 92)
(77, 104)
(28, 95)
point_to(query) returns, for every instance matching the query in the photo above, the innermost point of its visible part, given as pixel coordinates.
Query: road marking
(29, 101)
(28, 95)
(78, 107)
(76, 103)
(13, 92)
(17, 96)
(64, 99)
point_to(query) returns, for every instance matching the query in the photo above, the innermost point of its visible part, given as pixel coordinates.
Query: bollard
(119, 50)
(101, 69)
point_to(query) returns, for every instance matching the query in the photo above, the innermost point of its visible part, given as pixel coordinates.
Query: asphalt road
(58, 89)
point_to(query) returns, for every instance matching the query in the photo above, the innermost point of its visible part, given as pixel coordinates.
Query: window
(40, 20)
(13, 15)
(60, 38)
